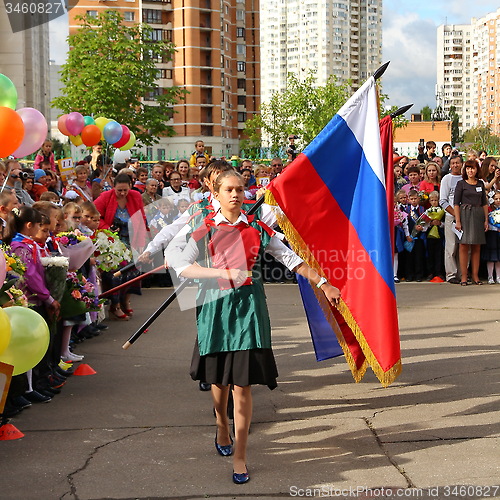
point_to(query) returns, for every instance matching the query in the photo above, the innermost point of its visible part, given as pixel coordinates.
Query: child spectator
(415, 258)
(45, 154)
(199, 150)
(402, 198)
(54, 213)
(399, 180)
(491, 252)
(71, 197)
(142, 176)
(182, 206)
(50, 196)
(414, 180)
(39, 186)
(435, 238)
(72, 215)
(401, 233)
(164, 216)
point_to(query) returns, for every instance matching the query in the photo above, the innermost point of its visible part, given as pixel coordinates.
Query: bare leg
(220, 395)
(464, 261)
(475, 253)
(242, 419)
(66, 335)
(490, 266)
(497, 269)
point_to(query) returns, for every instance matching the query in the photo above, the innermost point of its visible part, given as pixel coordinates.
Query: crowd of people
(446, 216)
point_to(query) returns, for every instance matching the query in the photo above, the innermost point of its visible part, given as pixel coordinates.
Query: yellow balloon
(4, 331)
(101, 122)
(29, 339)
(76, 140)
(130, 142)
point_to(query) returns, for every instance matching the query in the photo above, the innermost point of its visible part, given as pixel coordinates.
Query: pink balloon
(61, 125)
(35, 131)
(75, 123)
(124, 138)
(3, 268)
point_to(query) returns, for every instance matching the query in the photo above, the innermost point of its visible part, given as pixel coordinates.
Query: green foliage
(110, 68)
(455, 129)
(426, 113)
(60, 149)
(481, 138)
(302, 109)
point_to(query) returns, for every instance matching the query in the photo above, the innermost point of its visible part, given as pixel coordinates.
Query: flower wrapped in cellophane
(79, 296)
(56, 269)
(10, 294)
(434, 213)
(77, 247)
(494, 220)
(111, 253)
(399, 215)
(425, 221)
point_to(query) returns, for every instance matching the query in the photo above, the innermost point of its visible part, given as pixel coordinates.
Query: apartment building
(217, 60)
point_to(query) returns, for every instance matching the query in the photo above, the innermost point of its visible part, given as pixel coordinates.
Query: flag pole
(174, 294)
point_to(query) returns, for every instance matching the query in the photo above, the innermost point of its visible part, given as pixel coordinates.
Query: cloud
(410, 45)
(58, 33)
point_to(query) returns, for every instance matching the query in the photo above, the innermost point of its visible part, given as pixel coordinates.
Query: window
(240, 15)
(242, 116)
(161, 154)
(242, 100)
(241, 83)
(151, 16)
(164, 73)
(129, 16)
(241, 66)
(240, 32)
(240, 49)
(92, 13)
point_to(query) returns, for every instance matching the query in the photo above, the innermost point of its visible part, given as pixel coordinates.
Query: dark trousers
(414, 262)
(435, 257)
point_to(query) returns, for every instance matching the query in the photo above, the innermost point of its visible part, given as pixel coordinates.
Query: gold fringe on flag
(300, 248)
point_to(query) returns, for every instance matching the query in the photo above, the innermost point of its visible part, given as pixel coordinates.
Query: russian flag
(337, 219)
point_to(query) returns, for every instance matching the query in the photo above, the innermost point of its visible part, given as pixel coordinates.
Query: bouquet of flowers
(494, 219)
(111, 252)
(77, 247)
(79, 296)
(425, 221)
(14, 272)
(56, 269)
(424, 197)
(399, 215)
(434, 213)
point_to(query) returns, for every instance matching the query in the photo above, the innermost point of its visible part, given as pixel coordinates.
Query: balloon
(130, 142)
(75, 123)
(112, 132)
(76, 140)
(29, 339)
(101, 122)
(8, 93)
(5, 331)
(121, 156)
(125, 137)
(88, 120)
(35, 131)
(3, 267)
(11, 131)
(61, 125)
(91, 135)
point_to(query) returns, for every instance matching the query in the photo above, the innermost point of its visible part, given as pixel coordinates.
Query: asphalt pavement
(141, 429)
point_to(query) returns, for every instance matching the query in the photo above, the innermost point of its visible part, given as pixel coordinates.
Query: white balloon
(121, 156)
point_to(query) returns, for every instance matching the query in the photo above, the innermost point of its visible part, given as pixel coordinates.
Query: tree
(303, 109)
(481, 138)
(455, 129)
(111, 68)
(426, 113)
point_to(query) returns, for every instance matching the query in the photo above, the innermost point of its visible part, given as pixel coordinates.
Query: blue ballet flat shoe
(224, 451)
(241, 478)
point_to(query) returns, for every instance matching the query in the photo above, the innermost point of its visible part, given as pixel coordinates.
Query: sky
(409, 42)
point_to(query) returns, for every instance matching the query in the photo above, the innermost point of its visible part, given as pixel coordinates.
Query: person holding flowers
(435, 235)
(401, 234)
(492, 249)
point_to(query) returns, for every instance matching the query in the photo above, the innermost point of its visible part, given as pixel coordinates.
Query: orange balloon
(61, 125)
(91, 135)
(11, 131)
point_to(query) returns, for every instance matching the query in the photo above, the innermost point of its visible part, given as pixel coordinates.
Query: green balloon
(8, 93)
(88, 120)
(29, 339)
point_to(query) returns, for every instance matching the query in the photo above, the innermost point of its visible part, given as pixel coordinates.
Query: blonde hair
(225, 175)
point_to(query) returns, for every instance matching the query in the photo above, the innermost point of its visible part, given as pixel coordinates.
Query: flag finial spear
(401, 110)
(381, 70)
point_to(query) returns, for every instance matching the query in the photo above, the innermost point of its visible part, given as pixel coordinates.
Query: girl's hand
(458, 226)
(409, 239)
(486, 226)
(236, 275)
(331, 293)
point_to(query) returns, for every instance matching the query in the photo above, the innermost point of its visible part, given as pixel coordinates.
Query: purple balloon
(75, 123)
(112, 132)
(35, 131)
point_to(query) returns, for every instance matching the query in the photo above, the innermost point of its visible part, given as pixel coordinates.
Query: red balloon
(124, 138)
(11, 131)
(91, 135)
(61, 125)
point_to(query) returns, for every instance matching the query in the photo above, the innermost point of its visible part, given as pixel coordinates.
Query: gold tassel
(302, 250)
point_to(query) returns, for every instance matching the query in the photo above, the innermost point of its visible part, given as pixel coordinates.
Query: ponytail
(17, 220)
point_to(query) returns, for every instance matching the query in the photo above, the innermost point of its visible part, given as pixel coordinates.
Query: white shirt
(174, 197)
(447, 191)
(180, 253)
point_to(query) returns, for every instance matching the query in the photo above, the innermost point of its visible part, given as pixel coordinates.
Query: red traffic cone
(84, 370)
(9, 431)
(437, 279)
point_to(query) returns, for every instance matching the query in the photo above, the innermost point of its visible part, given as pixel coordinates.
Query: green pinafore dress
(234, 333)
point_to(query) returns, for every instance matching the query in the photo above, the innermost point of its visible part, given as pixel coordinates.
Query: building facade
(468, 71)
(217, 60)
(24, 58)
(341, 38)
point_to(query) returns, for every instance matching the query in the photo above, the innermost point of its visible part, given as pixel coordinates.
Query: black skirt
(242, 368)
